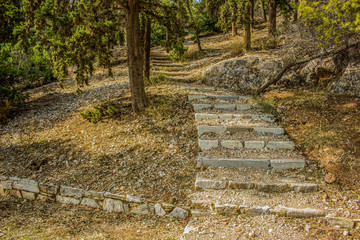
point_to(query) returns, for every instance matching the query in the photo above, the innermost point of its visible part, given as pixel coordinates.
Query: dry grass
(327, 127)
(151, 154)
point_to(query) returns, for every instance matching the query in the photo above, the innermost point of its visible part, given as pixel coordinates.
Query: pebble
(346, 233)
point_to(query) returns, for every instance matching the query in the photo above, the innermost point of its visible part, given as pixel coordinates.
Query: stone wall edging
(107, 201)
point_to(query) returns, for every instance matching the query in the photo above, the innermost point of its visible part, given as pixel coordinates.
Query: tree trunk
(167, 36)
(194, 25)
(252, 6)
(272, 17)
(233, 24)
(296, 3)
(263, 10)
(121, 38)
(247, 35)
(198, 39)
(147, 48)
(135, 62)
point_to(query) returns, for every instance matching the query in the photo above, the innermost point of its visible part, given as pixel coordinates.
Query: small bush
(158, 34)
(101, 111)
(10, 76)
(20, 71)
(177, 49)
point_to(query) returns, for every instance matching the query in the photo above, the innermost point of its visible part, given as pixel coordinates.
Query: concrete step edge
(205, 144)
(278, 187)
(275, 164)
(222, 129)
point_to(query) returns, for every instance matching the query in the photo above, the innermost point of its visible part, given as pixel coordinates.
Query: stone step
(198, 107)
(173, 69)
(160, 57)
(161, 64)
(236, 144)
(235, 202)
(218, 97)
(236, 124)
(223, 129)
(275, 164)
(179, 79)
(277, 187)
(226, 116)
(171, 73)
(202, 89)
(154, 61)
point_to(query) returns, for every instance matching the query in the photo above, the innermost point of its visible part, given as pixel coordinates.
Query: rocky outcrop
(349, 82)
(243, 73)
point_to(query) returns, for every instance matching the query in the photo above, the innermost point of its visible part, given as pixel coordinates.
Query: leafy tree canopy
(336, 21)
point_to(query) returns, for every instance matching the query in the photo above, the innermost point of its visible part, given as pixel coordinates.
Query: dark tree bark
(122, 38)
(198, 39)
(263, 10)
(167, 37)
(147, 48)
(247, 35)
(272, 17)
(135, 61)
(233, 24)
(252, 6)
(194, 25)
(296, 2)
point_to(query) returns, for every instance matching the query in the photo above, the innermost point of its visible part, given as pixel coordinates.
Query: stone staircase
(248, 168)
(161, 64)
(233, 132)
(237, 140)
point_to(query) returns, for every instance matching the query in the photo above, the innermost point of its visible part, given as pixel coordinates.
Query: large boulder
(322, 71)
(349, 82)
(243, 73)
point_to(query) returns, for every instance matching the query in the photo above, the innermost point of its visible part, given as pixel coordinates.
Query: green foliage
(177, 49)
(76, 32)
(11, 15)
(19, 71)
(101, 111)
(10, 95)
(206, 23)
(158, 34)
(335, 20)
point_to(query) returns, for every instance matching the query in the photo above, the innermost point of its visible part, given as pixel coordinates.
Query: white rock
(159, 210)
(178, 212)
(145, 209)
(90, 203)
(112, 205)
(191, 227)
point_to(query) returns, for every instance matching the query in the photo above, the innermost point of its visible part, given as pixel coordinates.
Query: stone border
(109, 202)
(281, 187)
